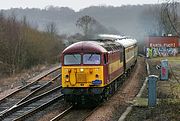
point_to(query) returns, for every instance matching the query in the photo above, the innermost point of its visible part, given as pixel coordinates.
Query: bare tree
(51, 28)
(169, 17)
(85, 23)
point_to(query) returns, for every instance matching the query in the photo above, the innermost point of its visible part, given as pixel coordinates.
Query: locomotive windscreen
(72, 59)
(91, 59)
(86, 58)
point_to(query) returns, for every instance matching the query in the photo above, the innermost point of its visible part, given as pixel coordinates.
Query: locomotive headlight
(81, 69)
(67, 78)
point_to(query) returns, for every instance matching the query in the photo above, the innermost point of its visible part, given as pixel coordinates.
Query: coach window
(121, 54)
(91, 59)
(71, 59)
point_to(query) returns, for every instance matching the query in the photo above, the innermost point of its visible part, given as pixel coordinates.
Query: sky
(74, 4)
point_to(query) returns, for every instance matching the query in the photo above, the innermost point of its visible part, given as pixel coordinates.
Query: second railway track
(30, 90)
(30, 105)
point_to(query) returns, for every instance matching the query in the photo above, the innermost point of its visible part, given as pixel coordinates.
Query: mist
(137, 21)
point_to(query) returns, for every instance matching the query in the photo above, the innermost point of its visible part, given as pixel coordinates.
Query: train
(92, 70)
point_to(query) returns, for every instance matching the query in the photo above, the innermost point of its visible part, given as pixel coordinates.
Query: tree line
(22, 47)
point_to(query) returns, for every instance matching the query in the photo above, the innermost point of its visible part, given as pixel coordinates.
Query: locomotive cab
(82, 70)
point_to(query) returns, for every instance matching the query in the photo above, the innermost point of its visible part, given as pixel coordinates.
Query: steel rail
(15, 108)
(33, 92)
(15, 100)
(30, 113)
(32, 80)
(61, 115)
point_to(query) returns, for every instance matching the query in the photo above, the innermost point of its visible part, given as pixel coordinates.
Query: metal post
(152, 90)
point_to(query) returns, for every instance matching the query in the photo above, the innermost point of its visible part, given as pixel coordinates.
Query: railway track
(61, 115)
(24, 109)
(90, 113)
(38, 109)
(34, 88)
(71, 114)
(75, 113)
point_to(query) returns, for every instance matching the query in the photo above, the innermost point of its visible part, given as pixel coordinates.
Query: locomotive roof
(102, 44)
(110, 36)
(123, 40)
(126, 42)
(85, 46)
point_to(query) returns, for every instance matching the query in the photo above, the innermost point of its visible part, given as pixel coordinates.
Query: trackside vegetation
(22, 47)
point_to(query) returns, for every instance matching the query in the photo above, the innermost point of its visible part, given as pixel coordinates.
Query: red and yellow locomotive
(92, 70)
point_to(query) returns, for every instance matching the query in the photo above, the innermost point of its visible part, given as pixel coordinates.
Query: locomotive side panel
(115, 68)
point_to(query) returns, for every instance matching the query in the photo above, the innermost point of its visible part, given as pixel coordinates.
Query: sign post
(152, 90)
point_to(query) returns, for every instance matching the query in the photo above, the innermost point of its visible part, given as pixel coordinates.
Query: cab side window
(121, 54)
(105, 59)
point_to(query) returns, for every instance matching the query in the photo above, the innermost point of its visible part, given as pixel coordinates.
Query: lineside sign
(162, 44)
(169, 41)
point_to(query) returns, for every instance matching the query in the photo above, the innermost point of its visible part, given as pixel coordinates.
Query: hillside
(129, 20)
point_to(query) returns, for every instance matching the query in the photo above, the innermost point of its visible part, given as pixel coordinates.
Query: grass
(168, 102)
(171, 59)
(162, 112)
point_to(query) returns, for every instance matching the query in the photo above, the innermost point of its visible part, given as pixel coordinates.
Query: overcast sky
(74, 4)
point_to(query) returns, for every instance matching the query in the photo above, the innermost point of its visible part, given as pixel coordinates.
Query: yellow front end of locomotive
(82, 76)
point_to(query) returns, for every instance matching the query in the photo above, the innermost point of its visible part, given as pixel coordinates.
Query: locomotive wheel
(106, 93)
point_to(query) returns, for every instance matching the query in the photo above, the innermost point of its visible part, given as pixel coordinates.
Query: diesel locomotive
(92, 70)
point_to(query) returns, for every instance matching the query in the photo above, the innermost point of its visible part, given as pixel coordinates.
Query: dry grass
(168, 92)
